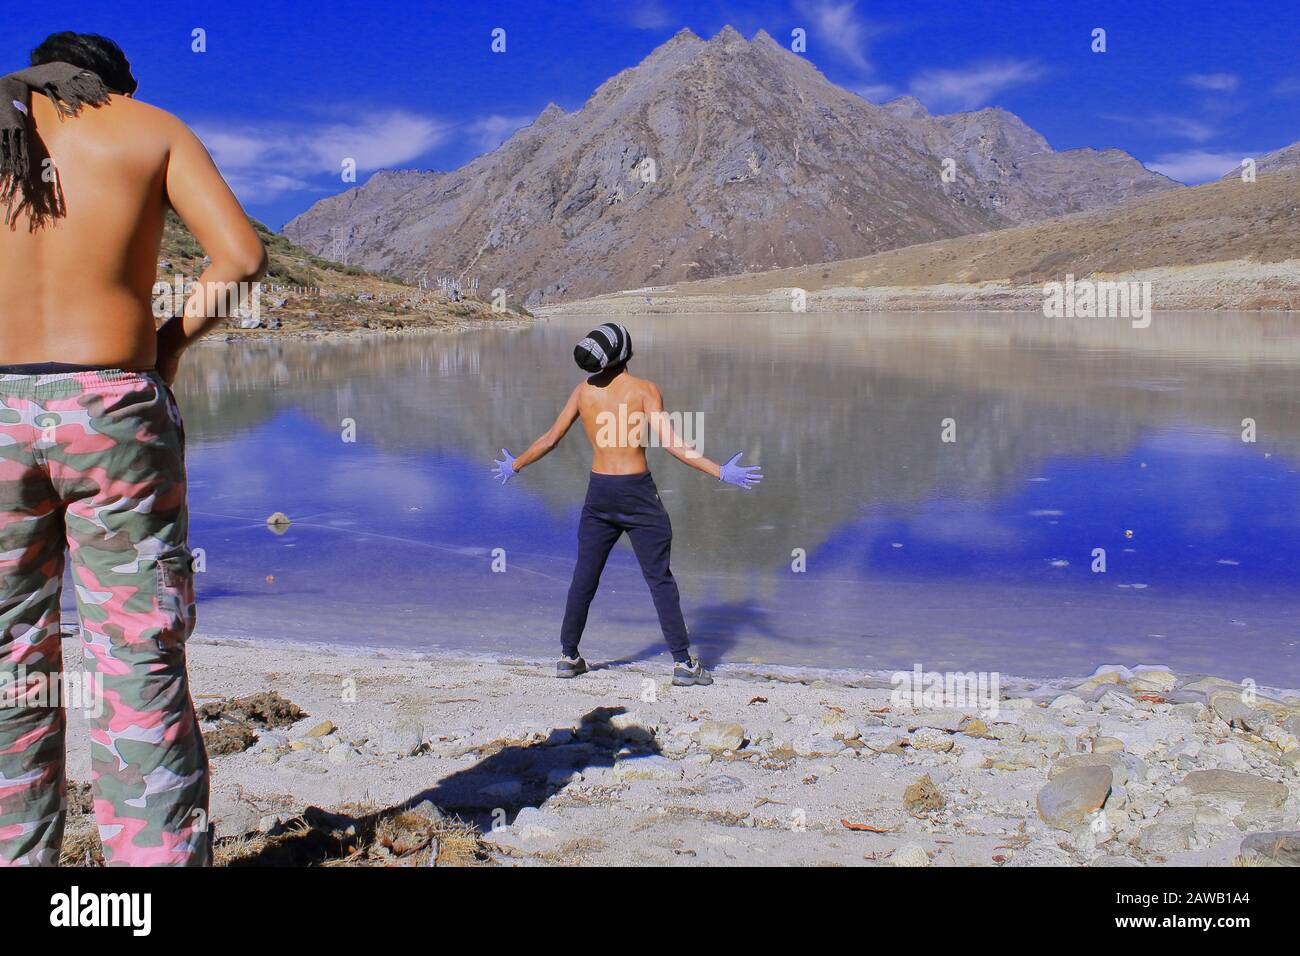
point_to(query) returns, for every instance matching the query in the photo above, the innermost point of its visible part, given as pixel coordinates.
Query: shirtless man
(621, 495)
(92, 449)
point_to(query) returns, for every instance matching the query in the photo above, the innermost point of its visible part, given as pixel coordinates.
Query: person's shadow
(715, 631)
(488, 794)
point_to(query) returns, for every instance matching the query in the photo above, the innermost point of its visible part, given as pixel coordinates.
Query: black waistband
(51, 368)
(597, 477)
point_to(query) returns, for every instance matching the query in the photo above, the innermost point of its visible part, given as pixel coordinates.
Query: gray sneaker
(691, 674)
(570, 667)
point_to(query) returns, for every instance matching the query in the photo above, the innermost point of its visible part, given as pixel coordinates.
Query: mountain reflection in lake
(975, 554)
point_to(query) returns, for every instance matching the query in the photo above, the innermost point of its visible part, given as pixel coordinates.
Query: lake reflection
(975, 554)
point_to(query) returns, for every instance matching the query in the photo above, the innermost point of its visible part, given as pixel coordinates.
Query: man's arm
(669, 439)
(551, 437)
(210, 210)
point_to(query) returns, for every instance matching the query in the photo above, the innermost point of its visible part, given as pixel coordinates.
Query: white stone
(910, 854)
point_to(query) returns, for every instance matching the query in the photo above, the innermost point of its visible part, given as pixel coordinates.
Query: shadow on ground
(510, 776)
(715, 631)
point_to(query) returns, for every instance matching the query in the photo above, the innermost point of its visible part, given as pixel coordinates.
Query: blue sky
(285, 89)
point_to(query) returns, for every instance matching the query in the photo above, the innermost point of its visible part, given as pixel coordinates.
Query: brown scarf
(69, 88)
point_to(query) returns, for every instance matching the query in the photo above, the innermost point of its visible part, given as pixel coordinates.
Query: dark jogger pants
(618, 503)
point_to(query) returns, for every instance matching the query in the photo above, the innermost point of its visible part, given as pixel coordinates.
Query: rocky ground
(369, 757)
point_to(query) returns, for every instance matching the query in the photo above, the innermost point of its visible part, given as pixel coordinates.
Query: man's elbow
(247, 261)
(254, 262)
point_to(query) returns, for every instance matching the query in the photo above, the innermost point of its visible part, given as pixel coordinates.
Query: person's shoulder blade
(649, 389)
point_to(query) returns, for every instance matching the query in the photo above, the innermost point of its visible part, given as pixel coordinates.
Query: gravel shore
(766, 767)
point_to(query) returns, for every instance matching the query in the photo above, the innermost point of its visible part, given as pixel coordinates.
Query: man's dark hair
(90, 51)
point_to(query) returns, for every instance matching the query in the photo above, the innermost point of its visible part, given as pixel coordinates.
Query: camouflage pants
(94, 461)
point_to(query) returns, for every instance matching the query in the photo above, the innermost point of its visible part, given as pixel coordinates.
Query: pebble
(1239, 716)
(1119, 771)
(1193, 711)
(633, 727)
(1067, 702)
(1012, 733)
(810, 746)
(341, 754)
(1111, 700)
(1162, 837)
(884, 741)
(1152, 681)
(838, 726)
(1066, 802)
(404, 738)
(933, 740)
(1258, 793)
(323, 729)
(676, 746)
(1017, 703)
(717, 736)
(910, 854)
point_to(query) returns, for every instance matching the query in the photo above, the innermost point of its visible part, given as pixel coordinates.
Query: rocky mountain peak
(548, 115)
(906, 106)
(728, 36)
(709, 158)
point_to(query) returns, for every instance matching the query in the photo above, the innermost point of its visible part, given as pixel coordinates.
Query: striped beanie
(605, 347)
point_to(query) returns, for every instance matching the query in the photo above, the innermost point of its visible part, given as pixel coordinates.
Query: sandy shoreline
(1213, 287)
(768, 766)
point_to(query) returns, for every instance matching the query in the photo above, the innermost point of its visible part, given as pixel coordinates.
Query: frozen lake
(971, 554)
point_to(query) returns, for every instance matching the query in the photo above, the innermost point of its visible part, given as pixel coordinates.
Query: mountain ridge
(711, 157)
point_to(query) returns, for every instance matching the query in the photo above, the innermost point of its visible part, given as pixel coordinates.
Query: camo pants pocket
(176, 597)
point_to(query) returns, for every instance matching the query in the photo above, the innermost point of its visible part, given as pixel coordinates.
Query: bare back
(614, 417)
(79, 289)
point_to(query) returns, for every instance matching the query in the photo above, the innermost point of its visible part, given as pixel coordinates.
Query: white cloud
(1288, 87)
(489, 132)
(838, 26)
(875, 92)
(1214, 82)
(647, 15)
(973, 86)
(1196, 165)
(265, 160)
(1192, 130)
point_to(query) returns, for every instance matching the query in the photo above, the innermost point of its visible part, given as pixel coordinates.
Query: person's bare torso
(79, 289)
(614, 418)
